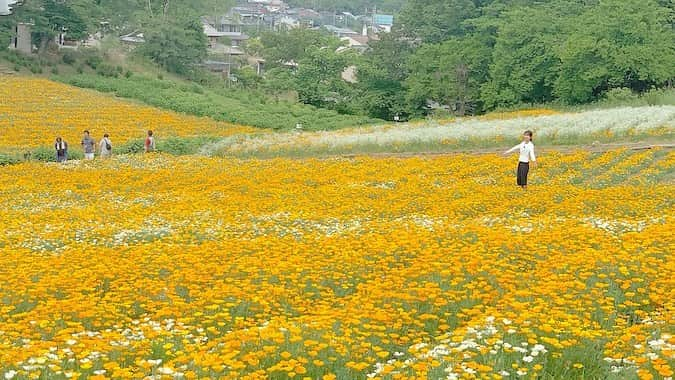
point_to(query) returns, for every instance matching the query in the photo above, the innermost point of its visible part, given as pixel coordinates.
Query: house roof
(210, 31)
(387, 20)
(135, 37)
(337, 30)
(363, 40)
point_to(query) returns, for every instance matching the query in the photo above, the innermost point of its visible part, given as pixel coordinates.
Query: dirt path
(594, 148)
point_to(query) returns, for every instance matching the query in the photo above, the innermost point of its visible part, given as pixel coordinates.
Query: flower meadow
(161, 267)
(492, 130)
(33, 112)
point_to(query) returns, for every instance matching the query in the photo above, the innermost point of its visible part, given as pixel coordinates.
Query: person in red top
(149, 143)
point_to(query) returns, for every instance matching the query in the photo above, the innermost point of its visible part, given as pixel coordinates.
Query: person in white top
(526, 149)
(105, 146)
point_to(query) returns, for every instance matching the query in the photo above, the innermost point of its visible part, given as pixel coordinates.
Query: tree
(450, 73)
(381, 74)
(435, 20)
(525, 57)
(619, 43)
(175, 47)
(49, 17)
(294, 45)
(319, 79)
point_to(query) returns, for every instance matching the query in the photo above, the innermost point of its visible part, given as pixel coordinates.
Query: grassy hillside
(113, 70)
(234, 106)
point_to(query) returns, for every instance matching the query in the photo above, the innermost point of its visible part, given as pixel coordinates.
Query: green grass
(231, 105)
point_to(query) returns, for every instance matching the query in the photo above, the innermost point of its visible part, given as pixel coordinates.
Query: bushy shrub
(69, 58)
(47, 154)
(619, 95)
(133, 146)
(93, 61)
(44, 154)
(8, 160)
(106, 70)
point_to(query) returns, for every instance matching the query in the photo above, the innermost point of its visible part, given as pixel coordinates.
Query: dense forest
(459, 56)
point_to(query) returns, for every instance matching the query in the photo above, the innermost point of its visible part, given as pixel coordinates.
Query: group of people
(89, 146)
(525, 148)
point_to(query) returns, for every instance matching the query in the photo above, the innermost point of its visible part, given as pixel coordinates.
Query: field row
(33, 112)
(348, 268)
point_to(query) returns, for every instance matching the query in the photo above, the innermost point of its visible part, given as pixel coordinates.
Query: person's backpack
(108, 146)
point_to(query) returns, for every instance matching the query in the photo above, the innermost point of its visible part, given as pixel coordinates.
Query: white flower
(528, 359)
(505, 373)
(155, 361)
(539, 348)
(506, 321)
(521, 373)
(10, 374)
(165, 371)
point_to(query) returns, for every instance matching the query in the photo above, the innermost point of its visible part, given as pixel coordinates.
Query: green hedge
(235, 106)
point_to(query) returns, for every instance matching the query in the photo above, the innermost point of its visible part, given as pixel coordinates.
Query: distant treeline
(469, 56)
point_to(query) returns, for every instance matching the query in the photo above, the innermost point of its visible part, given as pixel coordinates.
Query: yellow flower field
(33, 112)
(400, 268)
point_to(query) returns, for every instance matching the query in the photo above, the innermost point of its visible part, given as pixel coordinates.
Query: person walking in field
(88, 144)
(61, 148)
(149, 143)
(105, 146)
(526, 149)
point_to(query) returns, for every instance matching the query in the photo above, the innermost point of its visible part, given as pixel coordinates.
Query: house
(6, 7)
(356, 42)
(221, 28)
(287, 22)
(339, 32)
(133, 38)
(383, 22)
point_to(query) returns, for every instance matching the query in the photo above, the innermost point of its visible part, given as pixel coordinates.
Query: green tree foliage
(49, 17)
(435, 20)
(175, 47)
(291, 46)
(319, 79)
(526, 62)
(619, 43)
(381, 76)
(450, 73)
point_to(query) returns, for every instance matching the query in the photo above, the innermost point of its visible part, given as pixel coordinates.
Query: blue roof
(384, 19)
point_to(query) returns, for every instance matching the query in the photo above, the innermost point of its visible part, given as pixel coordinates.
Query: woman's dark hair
(106, 135)
(529, 133)
(58, 138)
(149, 133)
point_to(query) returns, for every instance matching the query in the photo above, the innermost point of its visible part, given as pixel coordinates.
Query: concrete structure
(22, 40)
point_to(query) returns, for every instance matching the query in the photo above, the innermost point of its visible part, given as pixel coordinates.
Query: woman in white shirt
(526, 149)
(105, 146)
